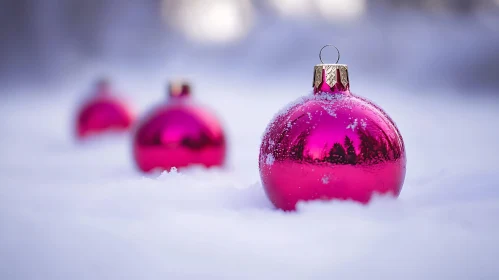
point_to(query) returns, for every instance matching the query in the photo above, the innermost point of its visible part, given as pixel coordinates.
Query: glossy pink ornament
(103, 112)
(178, 134)
(331, 145)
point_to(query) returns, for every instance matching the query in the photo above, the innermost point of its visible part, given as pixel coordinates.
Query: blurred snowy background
(82, 211)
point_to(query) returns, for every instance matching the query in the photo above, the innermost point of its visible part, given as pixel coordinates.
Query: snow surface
(82, 211)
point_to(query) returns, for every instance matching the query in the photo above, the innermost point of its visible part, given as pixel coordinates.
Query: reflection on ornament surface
(103, 113)
(331, 145)
(178, 134)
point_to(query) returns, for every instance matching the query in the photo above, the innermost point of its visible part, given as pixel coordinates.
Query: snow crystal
(363, 123)
(269, 159)
(325, 179)
(352, 125)
(271, 144)
(329, 110)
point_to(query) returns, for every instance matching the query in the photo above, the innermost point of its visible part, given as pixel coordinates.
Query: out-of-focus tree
(211, 21)
(446, 6)
(47, 38)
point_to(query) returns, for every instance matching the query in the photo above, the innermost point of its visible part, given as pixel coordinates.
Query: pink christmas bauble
(331, 145)
(178, 134)
(103, 112)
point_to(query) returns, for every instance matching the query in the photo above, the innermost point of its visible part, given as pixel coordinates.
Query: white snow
(329, 109)
(353, 125)
(363, 123)
(325, 179)
(82, 211)
(269, 159)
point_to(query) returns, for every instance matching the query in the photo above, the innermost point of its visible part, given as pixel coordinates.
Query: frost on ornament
(291, 124)
(269, 159)
(271, 144)
(278, 116)
(325, 179)
(290, 114)
(352, 125)
(363, 123)
(329, 110)
(330, 106)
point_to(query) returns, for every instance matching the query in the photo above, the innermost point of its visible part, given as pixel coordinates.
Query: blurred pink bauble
(103, 112)
(331, 145)
(178, 134)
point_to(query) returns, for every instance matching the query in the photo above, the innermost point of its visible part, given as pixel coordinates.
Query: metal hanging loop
(320, 53)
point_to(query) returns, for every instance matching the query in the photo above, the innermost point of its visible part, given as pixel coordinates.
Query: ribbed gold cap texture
(331, 74)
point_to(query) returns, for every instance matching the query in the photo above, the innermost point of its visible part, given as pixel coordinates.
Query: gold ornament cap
(179, 88)
(331, 74)
(335, 76)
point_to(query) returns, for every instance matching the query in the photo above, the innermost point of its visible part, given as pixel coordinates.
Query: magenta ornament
(179, 133)
(103, 112)
(331, 145)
